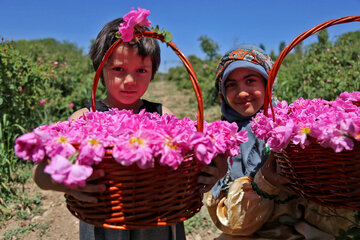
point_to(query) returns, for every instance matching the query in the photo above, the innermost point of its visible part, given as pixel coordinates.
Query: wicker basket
(143, 198)
(316, 173)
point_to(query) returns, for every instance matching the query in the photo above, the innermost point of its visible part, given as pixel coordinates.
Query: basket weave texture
(317, 173)
(143, 198)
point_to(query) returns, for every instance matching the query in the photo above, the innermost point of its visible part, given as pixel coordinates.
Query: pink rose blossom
(131, 19)
(134, 149)
(60, 146)
(42, 102)
(91, 152)
(77, 175)
(171, 156)
(280, 136)
(339, 143)
(59, 168)
(203, 147)
(29, 147)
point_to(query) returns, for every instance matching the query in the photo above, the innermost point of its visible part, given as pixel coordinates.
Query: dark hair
(107, 36)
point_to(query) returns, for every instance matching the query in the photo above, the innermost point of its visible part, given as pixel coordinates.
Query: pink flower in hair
(132, 19)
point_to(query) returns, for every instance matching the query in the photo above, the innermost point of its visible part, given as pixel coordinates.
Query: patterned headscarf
(249, 56)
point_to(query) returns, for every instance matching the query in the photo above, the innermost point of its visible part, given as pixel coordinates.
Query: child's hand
(45, 182)
(84, 193)
(210, 174)
(272, 174)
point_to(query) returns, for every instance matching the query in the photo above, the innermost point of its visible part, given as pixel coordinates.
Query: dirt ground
(62, 225)
(56, 222)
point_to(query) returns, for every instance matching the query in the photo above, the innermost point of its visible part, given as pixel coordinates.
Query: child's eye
(230, 84)
(142, 70)
(250, 80)
(118, 69)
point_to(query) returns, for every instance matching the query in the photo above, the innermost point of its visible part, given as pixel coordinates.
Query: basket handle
(186, 62)
(274, 70)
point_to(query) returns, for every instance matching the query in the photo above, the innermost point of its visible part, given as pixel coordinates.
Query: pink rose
(131, 19)
(59, 168)
(29, 147)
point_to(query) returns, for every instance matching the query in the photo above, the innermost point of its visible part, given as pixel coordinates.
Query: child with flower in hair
(252, 200)
(126, 75)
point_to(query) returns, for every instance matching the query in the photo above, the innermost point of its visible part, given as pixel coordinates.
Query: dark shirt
(148, 106)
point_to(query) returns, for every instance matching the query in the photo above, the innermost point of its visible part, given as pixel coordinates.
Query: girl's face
(127, 76)
(245, 91)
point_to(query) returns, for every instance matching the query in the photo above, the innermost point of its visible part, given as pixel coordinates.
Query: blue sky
(228, 22)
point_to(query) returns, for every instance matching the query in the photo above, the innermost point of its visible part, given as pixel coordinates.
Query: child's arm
(79, 113)
(165, 110)
(242, 211)
(272, 174)
(212, 173)
(44, 181)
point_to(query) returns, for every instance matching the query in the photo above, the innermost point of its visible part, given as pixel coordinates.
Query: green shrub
(324, 71)
(41, 81)
(205, 72)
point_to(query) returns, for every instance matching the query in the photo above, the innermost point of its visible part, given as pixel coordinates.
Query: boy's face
(245, 91)
(127, 76)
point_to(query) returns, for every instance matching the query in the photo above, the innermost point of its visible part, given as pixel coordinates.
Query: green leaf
(156, 29)
(168, 37)
(5, 186)
(118, 35)
(1, 101)
(4, 209)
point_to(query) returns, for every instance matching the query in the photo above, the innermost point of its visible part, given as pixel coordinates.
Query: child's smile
(245, 90)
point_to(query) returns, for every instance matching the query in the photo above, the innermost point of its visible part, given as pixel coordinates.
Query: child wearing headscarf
(252, 200)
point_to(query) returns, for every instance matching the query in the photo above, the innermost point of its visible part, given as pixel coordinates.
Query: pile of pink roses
(138, 139)
(334, 124)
